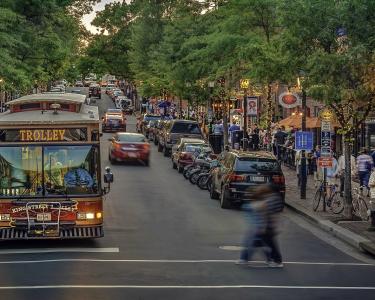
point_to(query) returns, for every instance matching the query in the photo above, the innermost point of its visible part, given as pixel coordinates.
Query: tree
(338, 57)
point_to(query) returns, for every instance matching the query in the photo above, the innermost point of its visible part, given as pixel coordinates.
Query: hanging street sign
(326, 126)
(325, 162)
(304, 140)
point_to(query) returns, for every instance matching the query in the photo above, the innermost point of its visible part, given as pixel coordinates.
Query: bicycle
(359, 204)
(334, 202)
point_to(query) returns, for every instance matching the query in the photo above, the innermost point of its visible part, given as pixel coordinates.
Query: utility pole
(303, 158)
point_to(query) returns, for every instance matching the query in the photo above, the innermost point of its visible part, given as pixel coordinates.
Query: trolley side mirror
(108, 179)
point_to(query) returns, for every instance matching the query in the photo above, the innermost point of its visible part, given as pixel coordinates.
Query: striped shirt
(364, 163)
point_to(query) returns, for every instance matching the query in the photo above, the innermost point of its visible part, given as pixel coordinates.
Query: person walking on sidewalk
(371, 184)
(262, 215)
(279, 139)
(340, 171)
(364, 166)
(315, 167)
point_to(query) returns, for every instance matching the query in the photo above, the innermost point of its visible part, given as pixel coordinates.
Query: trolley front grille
(64, 233)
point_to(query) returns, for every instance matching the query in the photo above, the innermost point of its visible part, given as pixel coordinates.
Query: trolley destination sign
(43, 135)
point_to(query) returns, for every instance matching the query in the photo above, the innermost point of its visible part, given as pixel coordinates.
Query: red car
(184, 152)
(126, 146)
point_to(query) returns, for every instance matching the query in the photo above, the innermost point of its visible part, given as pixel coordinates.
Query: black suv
(233, 181)
(95, 91)
(175, 130)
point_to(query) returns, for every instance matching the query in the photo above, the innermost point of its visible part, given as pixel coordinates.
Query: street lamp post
(211, 85)
(303, 170)
(244, 84)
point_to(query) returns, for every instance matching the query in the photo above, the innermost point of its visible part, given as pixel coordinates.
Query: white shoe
(273, 264)
(242, 262)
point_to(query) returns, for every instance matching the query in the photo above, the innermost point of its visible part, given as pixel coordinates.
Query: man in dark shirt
(280, 137)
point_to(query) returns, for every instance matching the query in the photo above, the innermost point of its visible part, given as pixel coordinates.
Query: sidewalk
(353, 232)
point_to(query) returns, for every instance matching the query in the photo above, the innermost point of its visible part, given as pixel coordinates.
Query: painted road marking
(231, 248)
(60, 250)
(28, 287)
(175, 261)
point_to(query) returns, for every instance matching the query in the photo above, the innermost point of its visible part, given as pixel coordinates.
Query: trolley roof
(50, 97)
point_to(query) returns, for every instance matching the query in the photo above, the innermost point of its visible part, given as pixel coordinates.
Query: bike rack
(33, 226)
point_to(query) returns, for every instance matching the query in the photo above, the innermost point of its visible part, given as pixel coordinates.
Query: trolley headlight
(4, 217)
(89, 216)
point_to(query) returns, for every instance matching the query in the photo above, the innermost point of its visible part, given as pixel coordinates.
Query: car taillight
(117, 146)
(185, 155)
(237, 178)
(278, 179)
(145, 147)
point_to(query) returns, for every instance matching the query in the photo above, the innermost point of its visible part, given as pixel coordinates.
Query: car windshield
(189, 128)
(247, 164)
(131, 138)
(114, 110)
(197, 148)
(49, 170)
(149, 118)
(114, 117)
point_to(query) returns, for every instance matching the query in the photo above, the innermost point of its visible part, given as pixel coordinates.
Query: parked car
(95, 91)
(182, 152)
(158, 129)
(175, 130)
(146, 119)
(113, 122)
(109, 88)
(115, 93)
(79, 83)
(129, 147)
(240, 172)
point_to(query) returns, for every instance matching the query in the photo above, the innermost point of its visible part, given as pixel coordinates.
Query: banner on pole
(252, 106)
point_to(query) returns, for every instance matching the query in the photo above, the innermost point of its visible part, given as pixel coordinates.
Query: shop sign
(326, 114)
(289, 100)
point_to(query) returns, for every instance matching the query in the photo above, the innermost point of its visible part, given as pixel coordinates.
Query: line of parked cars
(230, 176)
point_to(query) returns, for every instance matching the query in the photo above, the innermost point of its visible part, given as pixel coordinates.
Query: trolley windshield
(49, 170)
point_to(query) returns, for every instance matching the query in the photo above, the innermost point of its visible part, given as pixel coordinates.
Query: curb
(353, 239)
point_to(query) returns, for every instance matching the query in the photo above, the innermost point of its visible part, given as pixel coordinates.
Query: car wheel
(224, 202)
(111, 159)
(213, 193)
(160, 148)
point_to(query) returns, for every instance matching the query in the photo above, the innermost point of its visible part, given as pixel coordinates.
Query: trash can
(216, 142)
(237, 136)
(245, 144)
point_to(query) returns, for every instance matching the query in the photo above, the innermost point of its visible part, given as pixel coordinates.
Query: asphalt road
(166, 239)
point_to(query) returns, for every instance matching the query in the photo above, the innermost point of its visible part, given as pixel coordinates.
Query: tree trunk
(225, 124)
(269, 111)
(348, 209)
